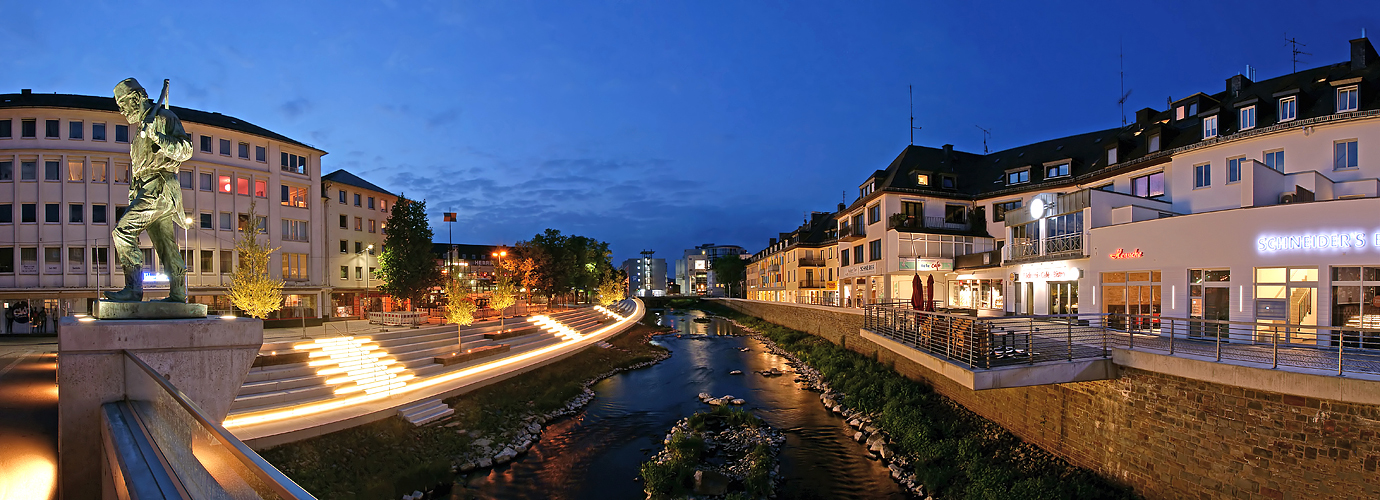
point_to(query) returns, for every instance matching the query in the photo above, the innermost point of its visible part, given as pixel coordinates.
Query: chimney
(30, 91)
(842, 206)
(1236, 84)
(1362, 53)
(773, 243)
(1143, 116)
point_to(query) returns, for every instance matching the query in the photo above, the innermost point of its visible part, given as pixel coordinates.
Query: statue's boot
(177, 289)
(134, 287)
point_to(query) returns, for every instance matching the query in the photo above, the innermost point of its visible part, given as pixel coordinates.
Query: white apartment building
(693, 272)
(64, 172)
(356, 210)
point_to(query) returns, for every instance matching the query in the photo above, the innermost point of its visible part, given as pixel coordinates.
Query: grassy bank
(390, 458)
(960, 455)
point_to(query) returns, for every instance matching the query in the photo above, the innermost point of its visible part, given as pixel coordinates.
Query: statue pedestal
(106, 309)
(207, 359)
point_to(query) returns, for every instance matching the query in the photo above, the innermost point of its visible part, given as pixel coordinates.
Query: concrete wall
(1166, 436)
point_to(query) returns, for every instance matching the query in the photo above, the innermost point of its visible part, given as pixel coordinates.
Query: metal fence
(984, 343)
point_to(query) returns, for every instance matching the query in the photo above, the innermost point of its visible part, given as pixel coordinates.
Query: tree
(613, 287)
(729, 270)
(460, 306)
(504, 295)
(252, 290)
(407, 266)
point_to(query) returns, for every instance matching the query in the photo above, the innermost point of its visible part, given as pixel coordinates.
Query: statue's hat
(129, 85)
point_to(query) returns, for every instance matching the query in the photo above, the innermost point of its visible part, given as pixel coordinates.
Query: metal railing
(1024, 248)
(984, 343)
(811, 283)
(1064, 244)
(811, 262)
(849, 232)
(916, 223)
(207, 460)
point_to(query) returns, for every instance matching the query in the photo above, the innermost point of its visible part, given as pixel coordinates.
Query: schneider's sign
(927, 265)
(1323, 241)
(857, 270)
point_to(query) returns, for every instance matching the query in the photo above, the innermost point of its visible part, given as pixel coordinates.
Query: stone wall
(1166, 436)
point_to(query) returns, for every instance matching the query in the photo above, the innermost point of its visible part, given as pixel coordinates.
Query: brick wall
(1167, 437)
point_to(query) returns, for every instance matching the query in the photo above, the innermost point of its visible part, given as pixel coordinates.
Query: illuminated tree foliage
(407, 266)
(504, 294)
(252, 290)
(566, 264)
(460, 304)
(613, 287)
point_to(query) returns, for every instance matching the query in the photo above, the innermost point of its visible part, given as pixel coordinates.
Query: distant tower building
(646, 275)
(693, 270)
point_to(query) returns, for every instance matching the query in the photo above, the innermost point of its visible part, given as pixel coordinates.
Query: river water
(596, 454)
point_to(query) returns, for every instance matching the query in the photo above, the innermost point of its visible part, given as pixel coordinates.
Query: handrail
(270, 475)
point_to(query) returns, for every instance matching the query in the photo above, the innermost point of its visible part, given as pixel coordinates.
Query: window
(243, 184)
(75, 213)
(1111, 155)
(922, 179)
(294, 163)
(225, 147)
(225, 221)
(343, 222)
(1154, 143)
(1288, 108)
(1344, 155)
(122, 173)
(227, 262)
(1202, 175)
(6, 213)
(859, 229)
(206, 144)
(121, 133)
(208, 261)
(383, 205)
(52, 171)
(6, 129)
(858, 254)
(100, 258)
(98, 214)
(28, 128)
(50, 129)
(75, 129)
(6, 260)
(359, 247)
(28, 260)
(76, 170)
(97, 171)
(955, 214)
(359, 273)
(874, 214)
(1148, 186)
(371, 203)
(372, 228)
(874, 250)
(260, 154)
(1247, 118)
(205, 219)
(294, 196)
(1210, 127)
(120, 211)
(999, 210)
(261, 188)
(28, 212)
(843, 256)
(1346, 98)
(357, 199)
(184, 179)
(207, 182)
(1234, 167)
(1059, 170)
(948, 181)
(226, 184)
(1275, 160)
(52, 260)
(342, 196)
(76, 260)
(295, 230)
(344, 246)
(52, 213)
(98, 131)
(28, 170)
(1018, 177)
(6, 170)
(865, 190)
(244, 150)
(359, 223)
(344, 272)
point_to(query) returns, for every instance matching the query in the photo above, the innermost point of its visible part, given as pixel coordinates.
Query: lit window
(226, 185)
(922, 179)
(1346, 99)
(1202, 175)
(243, 183)
(1288, 108)
(1248, 118)
(1344, 155)
(1210, 127)
(1179, 113)
(261, 188)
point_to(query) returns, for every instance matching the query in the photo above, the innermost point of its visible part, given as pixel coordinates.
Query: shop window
(1209, 298)
(1356, 305)
(1286, 305)
(976, 294)
(1133, 299)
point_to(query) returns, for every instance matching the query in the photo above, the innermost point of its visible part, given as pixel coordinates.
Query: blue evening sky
(655, 124)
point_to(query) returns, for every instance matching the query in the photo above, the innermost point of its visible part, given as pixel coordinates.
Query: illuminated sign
(155, 277)
(1120, 254)
(1049, 273)
(830, 285)
(868, 268)
(699, 264)
(1315, 242)
(927, 265)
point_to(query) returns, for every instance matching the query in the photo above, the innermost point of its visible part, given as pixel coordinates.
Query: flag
(448, 216)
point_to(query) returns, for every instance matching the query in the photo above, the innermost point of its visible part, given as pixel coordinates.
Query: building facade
(355, 213)
(64, 182)
(693, 269)
(800, 266)
(646, 276)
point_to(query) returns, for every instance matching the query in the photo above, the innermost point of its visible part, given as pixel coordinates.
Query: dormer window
(1288, 108)
(1018, 177)
(922, 179)
(1057, 170)
(1210, 127)
(1347, 99)
(1154, 143)
(1247, 119)
(1111, 156)
(1180, 112)
(1186, 111)
(948, 182)
(865, 190)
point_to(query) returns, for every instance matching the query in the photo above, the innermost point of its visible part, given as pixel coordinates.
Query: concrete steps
(425, 411)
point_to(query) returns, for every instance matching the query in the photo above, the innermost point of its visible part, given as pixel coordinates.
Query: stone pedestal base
(106, 309)
(207, 359)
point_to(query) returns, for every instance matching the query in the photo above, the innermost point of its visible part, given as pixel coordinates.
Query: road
(28, 418)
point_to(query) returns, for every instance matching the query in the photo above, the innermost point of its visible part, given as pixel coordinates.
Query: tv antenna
(913, 128)
(1294, 48)
(986, 134)
(1125, 94)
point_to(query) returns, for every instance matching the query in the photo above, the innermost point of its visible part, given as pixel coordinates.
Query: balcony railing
(1024, 249)
(811, 262)
(1064, 244)
(812, 283)
(774, 268)
(984, 343)
(912, 224)
(849, 232)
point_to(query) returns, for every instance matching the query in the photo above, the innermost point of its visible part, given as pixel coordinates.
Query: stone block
(108, 310)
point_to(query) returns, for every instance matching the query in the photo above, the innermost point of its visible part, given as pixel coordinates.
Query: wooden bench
(470, 354)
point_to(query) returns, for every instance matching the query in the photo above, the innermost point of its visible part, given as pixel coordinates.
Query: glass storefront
(1286, 301)
(1134, 296)
(976, 294)
(1209, 297)
(1356, 304)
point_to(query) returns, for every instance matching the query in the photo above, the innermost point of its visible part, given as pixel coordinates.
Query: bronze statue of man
(155, 197)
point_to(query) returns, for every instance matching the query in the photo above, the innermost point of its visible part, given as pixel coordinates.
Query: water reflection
(596, 455)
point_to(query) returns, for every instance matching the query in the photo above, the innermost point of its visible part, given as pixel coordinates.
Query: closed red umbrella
(917, 294)
(929, 297)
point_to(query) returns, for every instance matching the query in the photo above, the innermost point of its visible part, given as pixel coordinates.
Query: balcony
(1054, 247)
(916, 224)
(848, 232)
(1064, 245)
(806, 284)
(774, 268)
(811, 262)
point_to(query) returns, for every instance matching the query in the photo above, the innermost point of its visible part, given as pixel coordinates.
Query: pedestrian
(40, 320)
(9, 319)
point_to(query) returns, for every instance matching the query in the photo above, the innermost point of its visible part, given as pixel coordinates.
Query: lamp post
(498, 272)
